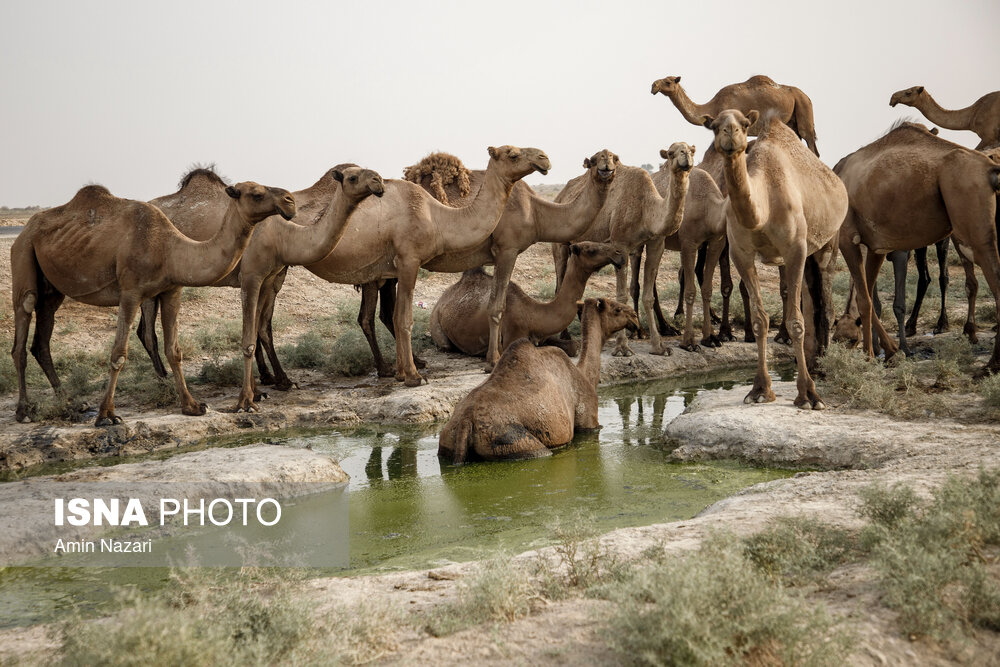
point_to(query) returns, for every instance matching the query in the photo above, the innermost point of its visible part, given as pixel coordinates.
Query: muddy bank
(27, 528)
(320, 402)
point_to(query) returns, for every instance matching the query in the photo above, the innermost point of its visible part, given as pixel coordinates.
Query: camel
(907, 190)
(635, 216)
(785, 206)
(981, 117)
(461, 317)
(65, 251)
(761, 93)
(527, 219)
(394, 236)
(555, 397)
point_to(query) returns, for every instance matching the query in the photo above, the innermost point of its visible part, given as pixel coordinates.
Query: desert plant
(799, 550)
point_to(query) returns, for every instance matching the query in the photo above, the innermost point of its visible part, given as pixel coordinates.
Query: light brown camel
(761, 93)
(910, 189)
(461, 316)
(394, 236)
(66, 251)
(981, 117)
(635, 216)
(527, 219)
(785, 206)
(554, 396)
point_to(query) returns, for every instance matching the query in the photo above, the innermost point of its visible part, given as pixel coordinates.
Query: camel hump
(198, 171)
(92, 193)
(761, 80)
(437, 171)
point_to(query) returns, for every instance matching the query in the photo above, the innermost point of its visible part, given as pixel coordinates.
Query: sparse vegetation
(799, 550)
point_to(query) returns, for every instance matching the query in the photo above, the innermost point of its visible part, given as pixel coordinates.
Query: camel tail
(456, 440)
(995, 179)
(802, 116)
(24, 274)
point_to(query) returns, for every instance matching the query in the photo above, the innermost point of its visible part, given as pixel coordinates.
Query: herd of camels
(759, 193)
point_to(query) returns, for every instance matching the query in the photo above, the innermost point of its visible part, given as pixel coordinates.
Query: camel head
(908, 97)
(668, 85)
(602, 166)
(592, 256)
(679, 157)
(730, 128)
(358, 183)
(515, 163)
(256, 202)
(614, 316)
(847, 330)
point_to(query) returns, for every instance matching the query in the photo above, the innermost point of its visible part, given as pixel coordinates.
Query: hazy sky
(129, 94)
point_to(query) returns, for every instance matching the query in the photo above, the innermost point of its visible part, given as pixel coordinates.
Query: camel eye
(257, 196)
(354, 179)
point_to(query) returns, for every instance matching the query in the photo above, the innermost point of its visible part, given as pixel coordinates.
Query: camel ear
(934, 131)
(857, 322)
(707, 121)
(338, 175)
(664, 153)
(575, 249)
(579, 308)
(677, 79)
(602, 305)
(920, 89)
(587, 164)
(693, 151)
(232, 192)
(752, 116)
(492, 151)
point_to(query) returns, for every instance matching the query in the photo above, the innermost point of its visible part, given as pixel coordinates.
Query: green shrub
(219, 336)
(989, 389)
(798, 550)
(226, 372)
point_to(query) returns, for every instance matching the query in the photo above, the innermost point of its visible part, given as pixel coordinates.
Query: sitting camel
(65, 251)
(792, 106)
(785, 206)
(636, 216)
(526, 220)
(461, 317)
(907, 190)
(554, 396)
(981, 117)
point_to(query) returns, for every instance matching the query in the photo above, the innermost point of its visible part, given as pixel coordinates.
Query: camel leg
(24, 292)
(900, 259)
(761, 391)
(713, 251)
(622, 348)
(943, 279)
(635, 265)
(873, 262)
(665, 328)
(503, 266)
(680, 295)
(699, 273)
(795, 264)
(748, 335)
(971, 294)
(170, 307)
(366, 319)
(386, 307)
(862, 296)
(45, 312)
(402, 320)
(127, 309)
(560, 256)
(250, 287)
(923, 281)
(726, 287)
(654, 253)
(688, 256)
(147, 334)
(782, 335)
(265, 334)
(986, 257)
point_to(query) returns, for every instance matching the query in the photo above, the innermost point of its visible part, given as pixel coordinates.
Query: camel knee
(796, 328)
(118, 362)
(248, 350)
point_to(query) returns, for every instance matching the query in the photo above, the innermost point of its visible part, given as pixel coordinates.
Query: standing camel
(981, 117)
(106, 251)
(785, 206)
(910, 189)
(394, 236)
(636, 216)
(792, 106)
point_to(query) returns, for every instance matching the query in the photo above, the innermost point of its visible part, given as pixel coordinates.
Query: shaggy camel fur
(785, 206)
(792, 106)
(907, 190)
(461, 317)
(527, 219)
(981, 117)
(65, 251)
(407, 228)
(555, 397)
(636, 216)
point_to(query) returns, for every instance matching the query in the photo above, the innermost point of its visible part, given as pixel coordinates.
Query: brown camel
(635, 216)
(981, 117)
(394, 236)
(461, 317)
(527, 219)
(910, 189)
(554, 396)
(66, 251)
(785, 206)
(792, 106)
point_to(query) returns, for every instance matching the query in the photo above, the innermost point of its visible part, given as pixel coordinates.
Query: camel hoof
(622, 352)
(414, 382)
(419, 363)
(660, 351)
(259, 395)
(285, 385)
(24, 419)
(197, 411)
(246, 406)
(669, 331)
(759, 396)
(267, 378)
(111, 420)
(691, 347)
(749, 338)
(385, 373)
(819, 405)
(782, 340)
(711, 341)
(727, 337)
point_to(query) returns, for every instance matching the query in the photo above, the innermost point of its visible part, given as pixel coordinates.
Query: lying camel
(636, 216)
(554, 397)
(907, 190)
(106, 251)
(791, 106)
(461, 317)
(981, 117)
(784, 206)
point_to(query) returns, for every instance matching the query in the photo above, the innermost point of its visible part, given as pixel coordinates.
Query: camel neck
(591, 343)
(468, 226)
(568, 221)
(740, 196)
(672, 207)
(691, 111)
(951, 119)
(551, 317)
(198, 263)
(309, 243)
